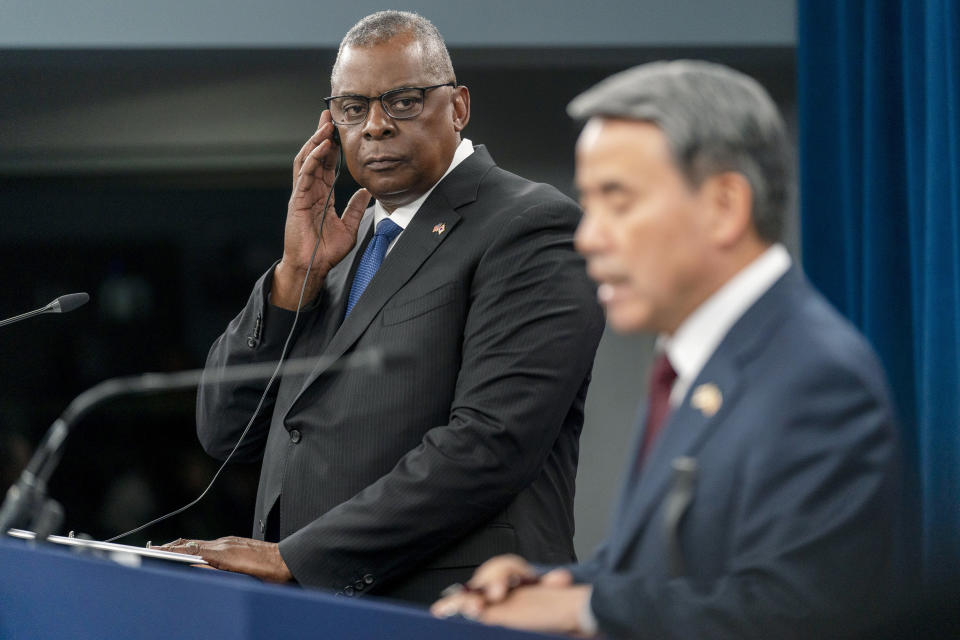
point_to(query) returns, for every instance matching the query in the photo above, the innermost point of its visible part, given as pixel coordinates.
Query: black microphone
(26, 498)
(676, 504)
(63, 304)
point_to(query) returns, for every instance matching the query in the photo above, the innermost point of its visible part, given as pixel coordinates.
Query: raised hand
(313, 174)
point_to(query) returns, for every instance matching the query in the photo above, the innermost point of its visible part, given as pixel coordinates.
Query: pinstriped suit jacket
(466, 450)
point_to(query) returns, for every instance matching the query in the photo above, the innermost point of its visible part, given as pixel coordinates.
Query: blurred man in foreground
(760, 498)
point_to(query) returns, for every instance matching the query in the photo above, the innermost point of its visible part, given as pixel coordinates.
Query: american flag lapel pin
(439, 228)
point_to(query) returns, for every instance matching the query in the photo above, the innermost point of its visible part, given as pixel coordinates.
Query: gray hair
(715, 119)
(382, 26)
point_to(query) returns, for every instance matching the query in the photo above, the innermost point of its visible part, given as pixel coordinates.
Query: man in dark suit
(401, 481)
(760, 499)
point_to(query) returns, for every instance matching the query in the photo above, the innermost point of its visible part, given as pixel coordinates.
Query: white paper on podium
(112, 547)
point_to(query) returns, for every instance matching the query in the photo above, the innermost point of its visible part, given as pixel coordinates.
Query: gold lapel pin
(439, 228)
(707, 398)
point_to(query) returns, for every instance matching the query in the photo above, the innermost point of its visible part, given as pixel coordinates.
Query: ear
(461, 107)
(730, 200)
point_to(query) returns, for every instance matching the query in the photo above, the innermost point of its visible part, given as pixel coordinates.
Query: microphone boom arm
(26, 496)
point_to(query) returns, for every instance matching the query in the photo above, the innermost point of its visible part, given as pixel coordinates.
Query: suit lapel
(688, 425)
(431, 226)
(412, 249)
(684, 433)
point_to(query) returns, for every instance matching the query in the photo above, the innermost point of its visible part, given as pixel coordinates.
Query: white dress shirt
(700, 334)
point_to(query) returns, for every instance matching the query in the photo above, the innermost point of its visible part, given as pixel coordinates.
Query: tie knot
(662, 375)
(388, 228)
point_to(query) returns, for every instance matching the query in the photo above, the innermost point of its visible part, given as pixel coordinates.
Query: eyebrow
(361, 95)
(604, 188)
(608, 187)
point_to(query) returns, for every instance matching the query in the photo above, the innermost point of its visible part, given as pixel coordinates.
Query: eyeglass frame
(370, 99)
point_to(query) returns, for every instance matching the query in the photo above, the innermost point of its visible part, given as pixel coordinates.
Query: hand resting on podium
(241, 555)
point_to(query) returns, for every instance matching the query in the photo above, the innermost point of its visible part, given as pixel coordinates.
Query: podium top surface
(53, 592)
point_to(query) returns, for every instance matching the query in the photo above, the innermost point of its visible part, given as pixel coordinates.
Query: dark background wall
(156, 179)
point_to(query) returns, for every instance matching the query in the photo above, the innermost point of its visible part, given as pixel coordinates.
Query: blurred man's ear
(729, 199)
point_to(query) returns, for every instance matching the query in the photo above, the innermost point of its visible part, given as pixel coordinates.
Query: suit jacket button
(294, 436)
(368, 579)
(348, 591)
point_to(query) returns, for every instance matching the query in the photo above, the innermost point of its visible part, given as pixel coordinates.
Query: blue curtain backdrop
(879, 110)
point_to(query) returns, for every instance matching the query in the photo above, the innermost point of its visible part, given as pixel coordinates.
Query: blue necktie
(386, 231)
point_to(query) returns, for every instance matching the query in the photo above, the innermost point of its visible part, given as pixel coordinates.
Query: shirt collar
(403, 215)
(700, 334)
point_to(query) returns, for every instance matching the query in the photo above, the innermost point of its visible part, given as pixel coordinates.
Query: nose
(590, 236)
(378, 124)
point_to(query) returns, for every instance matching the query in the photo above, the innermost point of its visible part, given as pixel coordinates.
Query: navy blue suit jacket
(774, 517)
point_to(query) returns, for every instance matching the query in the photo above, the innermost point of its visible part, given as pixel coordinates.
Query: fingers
(166, 546)
(557, 578)
(180, 545)
(490, 584)
(314, 166)
(354, 210)
(464, 603)
(304, 151)
(496, 577)
(212, 551)
(325, 117)
(323, 133)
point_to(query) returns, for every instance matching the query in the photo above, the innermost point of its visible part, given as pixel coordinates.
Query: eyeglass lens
(399, 104)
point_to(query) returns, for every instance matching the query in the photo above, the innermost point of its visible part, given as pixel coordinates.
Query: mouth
(610, 287)
(607, 294)
(383, 163)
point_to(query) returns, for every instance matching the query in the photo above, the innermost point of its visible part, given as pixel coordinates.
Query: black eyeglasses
(400, 104)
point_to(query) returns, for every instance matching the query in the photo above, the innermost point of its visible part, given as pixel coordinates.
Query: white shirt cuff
(586, 619)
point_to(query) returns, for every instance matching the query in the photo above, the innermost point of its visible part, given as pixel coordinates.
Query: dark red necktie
(662, 377)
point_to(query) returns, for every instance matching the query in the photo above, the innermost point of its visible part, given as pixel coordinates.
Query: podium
(48, 592)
